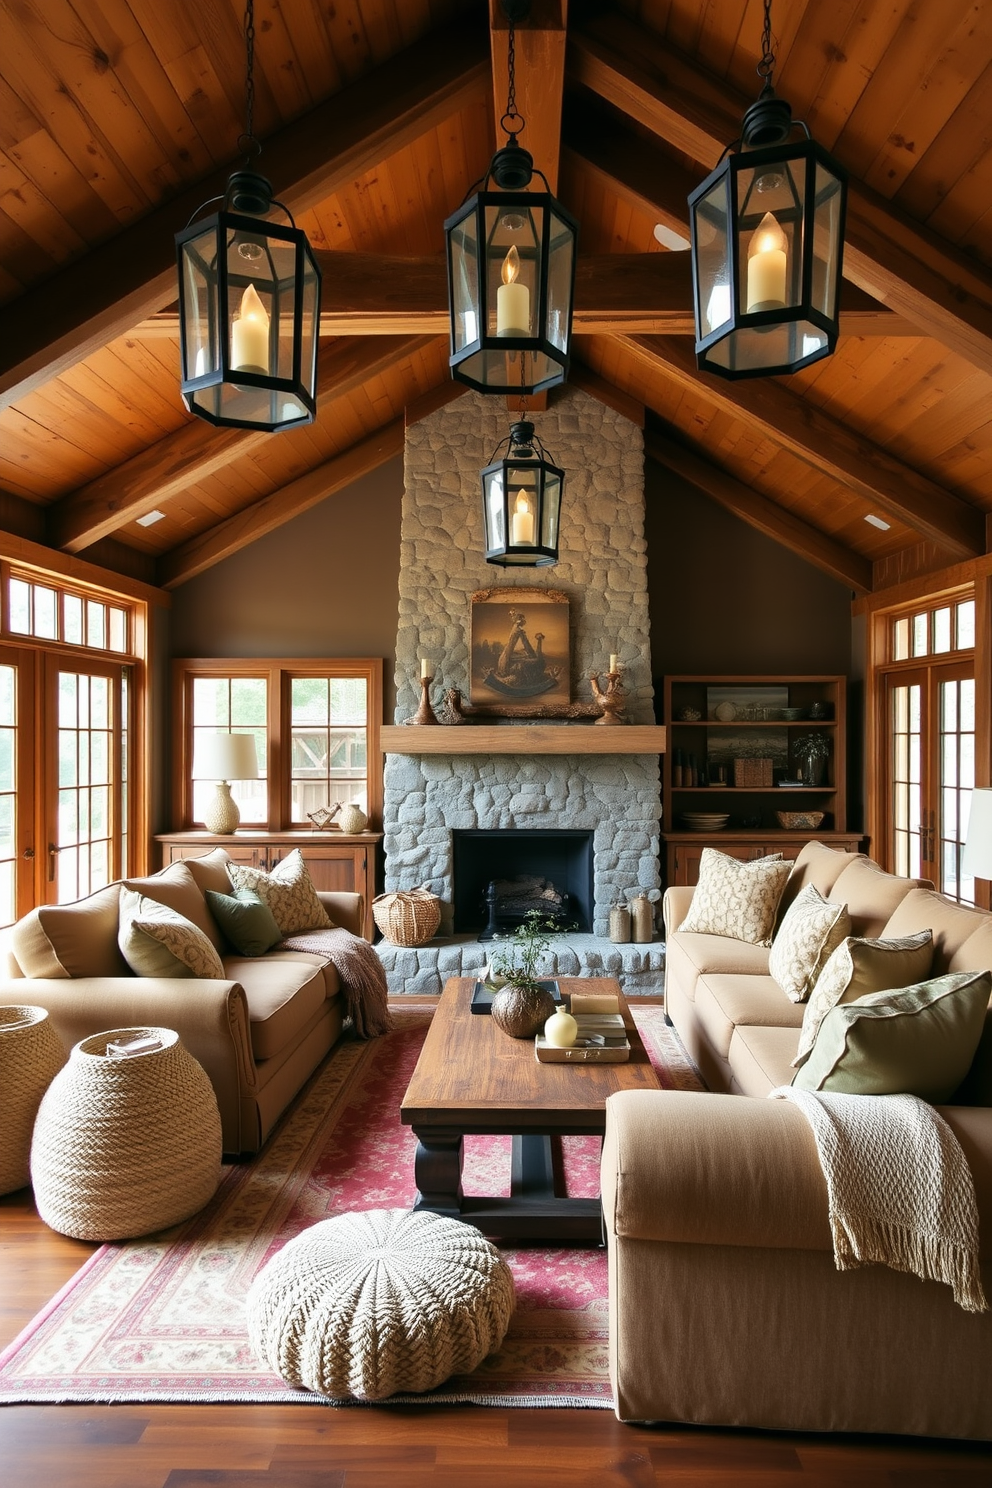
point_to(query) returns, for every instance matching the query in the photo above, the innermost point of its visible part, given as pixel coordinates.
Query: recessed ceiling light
(670, 239)
(878, 522)
(150, 518)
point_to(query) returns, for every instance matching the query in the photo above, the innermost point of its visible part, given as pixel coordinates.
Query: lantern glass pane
(770, 233)
(310, 326)
(199, 305)
(552, 506)
(513, 269)
(464, 248)
(711, 244)
(495, 513)
(826, 240)
(561, 253)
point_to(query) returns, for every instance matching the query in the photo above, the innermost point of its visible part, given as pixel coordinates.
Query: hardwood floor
(232, 1446)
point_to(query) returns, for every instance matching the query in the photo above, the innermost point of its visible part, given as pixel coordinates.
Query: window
(316, 729)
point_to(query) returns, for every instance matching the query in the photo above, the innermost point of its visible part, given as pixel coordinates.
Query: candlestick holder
(425, 713)
(612, 698)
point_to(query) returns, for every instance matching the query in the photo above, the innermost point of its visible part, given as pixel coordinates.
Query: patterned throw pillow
(736, 899)
(810, 931)
(288, 891)
(157, 941)
(858, 966)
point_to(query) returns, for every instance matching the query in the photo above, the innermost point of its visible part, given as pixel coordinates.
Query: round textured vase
(521, 1010)
(123, 1147)
(352, 819)
(31, 1055)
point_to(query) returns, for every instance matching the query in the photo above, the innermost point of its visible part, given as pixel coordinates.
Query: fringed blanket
(900, 1190)
(362, 975)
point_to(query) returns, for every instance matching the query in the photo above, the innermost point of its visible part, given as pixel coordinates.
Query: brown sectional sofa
(726, 1305)
(259, 1033)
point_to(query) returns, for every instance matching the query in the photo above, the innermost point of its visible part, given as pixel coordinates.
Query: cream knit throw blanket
(899, 1188)
(362, 975)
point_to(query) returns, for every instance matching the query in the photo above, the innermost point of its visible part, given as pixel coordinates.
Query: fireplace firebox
(520, 862)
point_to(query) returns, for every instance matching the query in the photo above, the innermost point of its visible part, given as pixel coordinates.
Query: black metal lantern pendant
(767, 246)
(521, 502)
(511, 273)
(249, 304)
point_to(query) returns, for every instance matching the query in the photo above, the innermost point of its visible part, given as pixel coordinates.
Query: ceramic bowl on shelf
(705, 821)
(799, 821)
(793, 715)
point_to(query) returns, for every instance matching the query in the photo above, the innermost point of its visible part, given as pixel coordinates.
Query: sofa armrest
(345, 909)
(675, 906)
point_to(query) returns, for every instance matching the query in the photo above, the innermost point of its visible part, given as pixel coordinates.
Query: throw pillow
(858, 966)
(157, 941)
(176, 887)
(810, 931)
(917, 1040)
(736, 899)
(71, 940)
(246, 920)
(288, 891)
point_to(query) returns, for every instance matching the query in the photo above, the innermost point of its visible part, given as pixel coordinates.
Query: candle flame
(511, 266)
(522, 505)
(767, 237)
(252, 307)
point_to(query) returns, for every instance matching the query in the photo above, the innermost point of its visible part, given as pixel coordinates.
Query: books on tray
(602, 1039)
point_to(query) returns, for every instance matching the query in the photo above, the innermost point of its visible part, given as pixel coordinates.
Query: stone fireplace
(614, 798)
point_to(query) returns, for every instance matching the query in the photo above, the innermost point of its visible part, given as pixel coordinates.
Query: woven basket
(123, 1147)
(31, 1055)
(752, 772)
(408, 917)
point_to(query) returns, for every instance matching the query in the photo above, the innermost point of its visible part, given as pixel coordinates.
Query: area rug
(162, 1319)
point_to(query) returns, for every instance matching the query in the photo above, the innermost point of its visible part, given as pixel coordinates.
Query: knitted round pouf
(125, 1146)
(369, 1304)
(31, 1055)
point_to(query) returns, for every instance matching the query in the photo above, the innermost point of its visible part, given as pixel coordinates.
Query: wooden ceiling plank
(539, 42)
(150, 478)
(105, 293)
(886, 254)
(282, 506)
(853, 460)
(761, 513)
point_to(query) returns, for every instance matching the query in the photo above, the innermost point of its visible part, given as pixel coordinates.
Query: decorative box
(752, 773)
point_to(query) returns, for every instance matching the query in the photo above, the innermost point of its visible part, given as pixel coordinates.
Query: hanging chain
(250, 143)
(766, 66)
(511, 95)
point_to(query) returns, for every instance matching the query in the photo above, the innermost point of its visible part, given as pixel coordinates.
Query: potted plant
(522, 1006)
(811, 752)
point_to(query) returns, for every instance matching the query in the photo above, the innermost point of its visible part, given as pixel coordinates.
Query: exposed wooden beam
(826, 444)
(281, 506)
(115, 286)
(886, 254)
(198, 449)
(539, 42)
(840, 562)
(372, 294)
(581, 376)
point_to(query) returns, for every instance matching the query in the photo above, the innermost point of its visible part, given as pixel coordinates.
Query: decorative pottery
(352, 819)
(620, 924)
(521, 1010)
(725, 712)
(642, 918)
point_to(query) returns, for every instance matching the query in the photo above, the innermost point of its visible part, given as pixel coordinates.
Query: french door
(931, 749)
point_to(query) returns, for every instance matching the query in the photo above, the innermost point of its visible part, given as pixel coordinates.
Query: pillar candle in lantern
(512, 300)
(250, 335)
(767, 261)
(522, 522)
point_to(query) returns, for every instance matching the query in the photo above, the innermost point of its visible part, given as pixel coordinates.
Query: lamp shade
(977, 859)
(225, 757)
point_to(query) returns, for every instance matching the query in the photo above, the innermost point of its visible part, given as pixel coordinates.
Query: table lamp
(223, 758)
(977, 859)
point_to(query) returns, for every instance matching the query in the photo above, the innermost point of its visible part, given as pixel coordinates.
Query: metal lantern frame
(210, 293)
(811, 303)
(502, 480)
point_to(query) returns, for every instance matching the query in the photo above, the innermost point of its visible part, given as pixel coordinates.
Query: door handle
(52, 851)
(28, 852)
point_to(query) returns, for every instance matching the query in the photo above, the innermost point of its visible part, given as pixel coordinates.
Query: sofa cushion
(689, 956)
(736, 899)
(918, 1040)
(176, 887)
(724, 1002)
(761, 1058)
(819, 865)
(210, 871)
(859, 966)
(871, 896)
(954, 926)
(288, 891)
(71, 940)
(810, 931)
(246, 920)
(283, 991)
(155, 941)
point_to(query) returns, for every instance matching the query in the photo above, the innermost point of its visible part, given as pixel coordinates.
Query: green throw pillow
(917, 1040)
(246, 920)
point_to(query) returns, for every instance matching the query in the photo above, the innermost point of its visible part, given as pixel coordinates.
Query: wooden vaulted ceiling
(118, 118)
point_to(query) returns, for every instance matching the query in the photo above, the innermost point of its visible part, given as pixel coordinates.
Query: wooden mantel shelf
(531, 738)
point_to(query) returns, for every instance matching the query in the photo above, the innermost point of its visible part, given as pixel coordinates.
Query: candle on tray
(512, 300)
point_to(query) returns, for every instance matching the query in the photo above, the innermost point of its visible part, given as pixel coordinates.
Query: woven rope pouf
(31, 1055)
(369, 1304)
(123, 1147)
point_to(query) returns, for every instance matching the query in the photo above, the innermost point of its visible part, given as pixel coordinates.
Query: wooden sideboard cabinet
(682, 853)
(335, 861)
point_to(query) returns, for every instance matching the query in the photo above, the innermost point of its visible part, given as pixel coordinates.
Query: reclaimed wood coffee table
(471, 1078)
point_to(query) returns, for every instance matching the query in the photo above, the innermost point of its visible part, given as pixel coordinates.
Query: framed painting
(520, 651)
